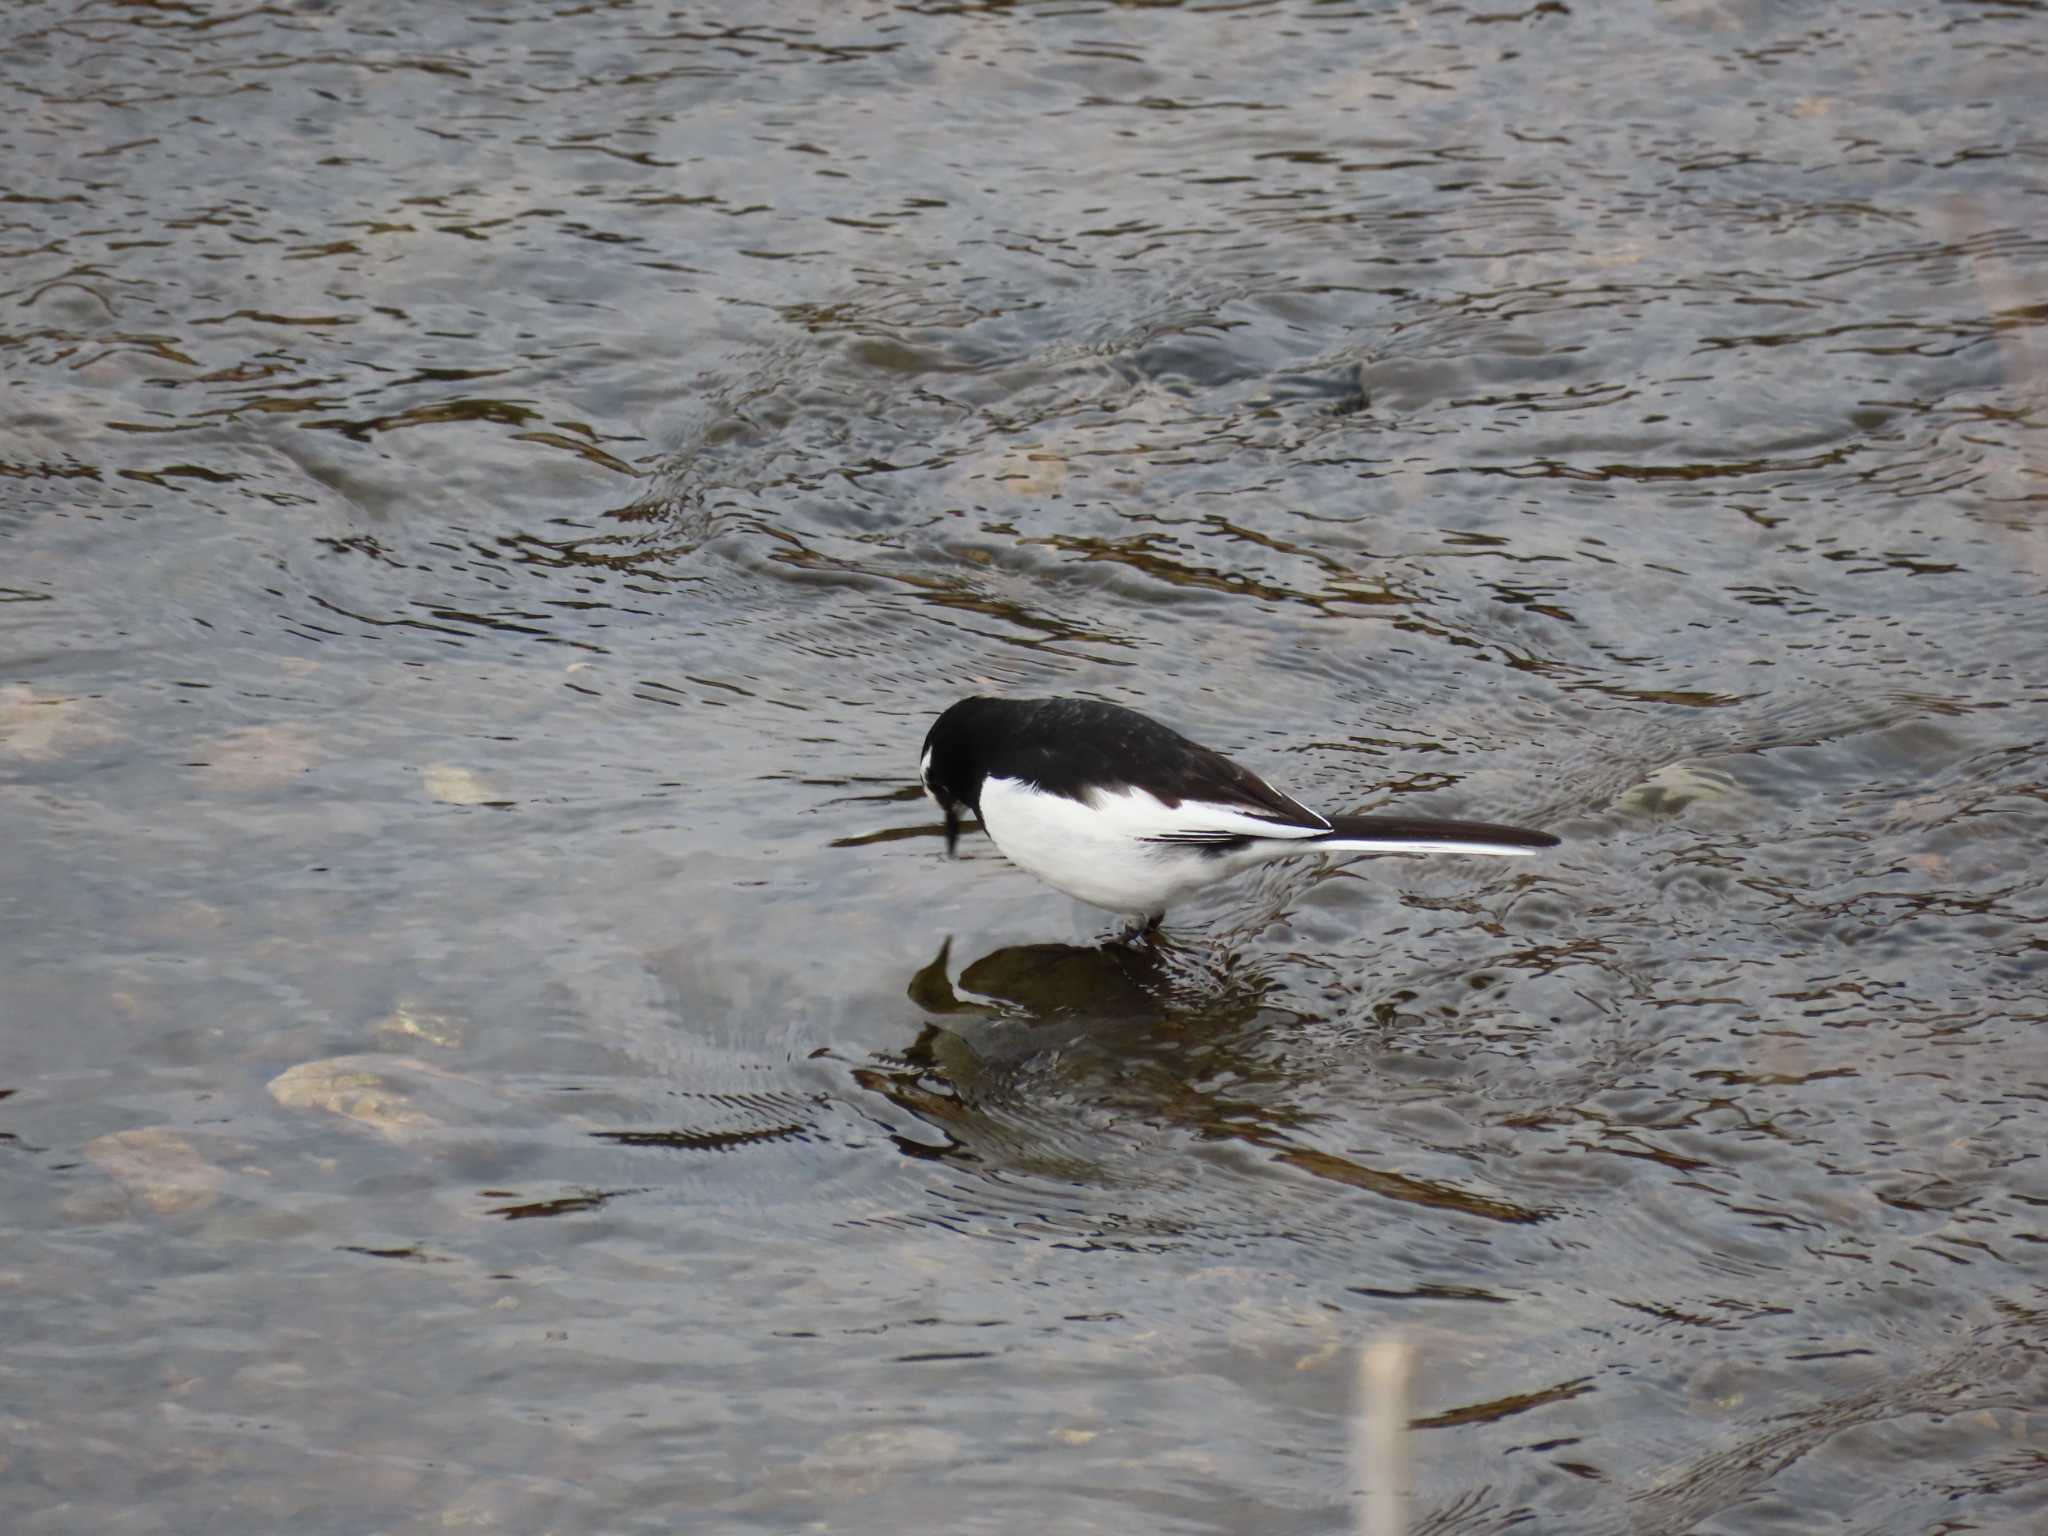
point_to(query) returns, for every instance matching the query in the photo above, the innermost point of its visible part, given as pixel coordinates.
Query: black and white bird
(1113, 808)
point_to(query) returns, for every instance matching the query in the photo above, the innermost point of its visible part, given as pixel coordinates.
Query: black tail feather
(1416, 829)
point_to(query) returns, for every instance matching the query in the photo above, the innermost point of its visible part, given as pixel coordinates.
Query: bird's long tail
(1404, 834)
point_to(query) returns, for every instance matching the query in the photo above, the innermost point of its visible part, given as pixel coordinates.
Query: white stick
(1379, 1437)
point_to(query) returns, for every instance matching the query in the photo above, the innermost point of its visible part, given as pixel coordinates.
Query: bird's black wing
(1071, 746)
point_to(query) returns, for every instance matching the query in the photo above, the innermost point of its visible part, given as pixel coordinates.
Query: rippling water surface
(490, 500)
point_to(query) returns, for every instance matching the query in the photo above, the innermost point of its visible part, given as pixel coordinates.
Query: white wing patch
(1136, 813)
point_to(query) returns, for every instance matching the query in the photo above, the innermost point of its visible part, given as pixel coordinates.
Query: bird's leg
(1141, 928)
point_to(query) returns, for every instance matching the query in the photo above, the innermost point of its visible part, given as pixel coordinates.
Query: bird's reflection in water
(1076, 1063)
(1048, 982)
(1066, 1062)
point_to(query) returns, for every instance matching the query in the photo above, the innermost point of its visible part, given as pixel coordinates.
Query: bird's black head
(953, 764)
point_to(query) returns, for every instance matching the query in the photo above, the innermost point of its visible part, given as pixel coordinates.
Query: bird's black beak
(952, 831)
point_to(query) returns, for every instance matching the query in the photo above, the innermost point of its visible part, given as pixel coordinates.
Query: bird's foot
(1141, 928)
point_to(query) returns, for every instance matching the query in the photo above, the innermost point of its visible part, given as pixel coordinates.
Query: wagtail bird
(1113, 808)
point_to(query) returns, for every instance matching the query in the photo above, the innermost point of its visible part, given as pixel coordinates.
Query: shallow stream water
(491, 499)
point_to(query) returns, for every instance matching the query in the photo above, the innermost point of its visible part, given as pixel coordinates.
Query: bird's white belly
(1097, 852)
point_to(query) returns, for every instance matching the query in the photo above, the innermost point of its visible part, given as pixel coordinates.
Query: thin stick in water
(1379, 1437)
